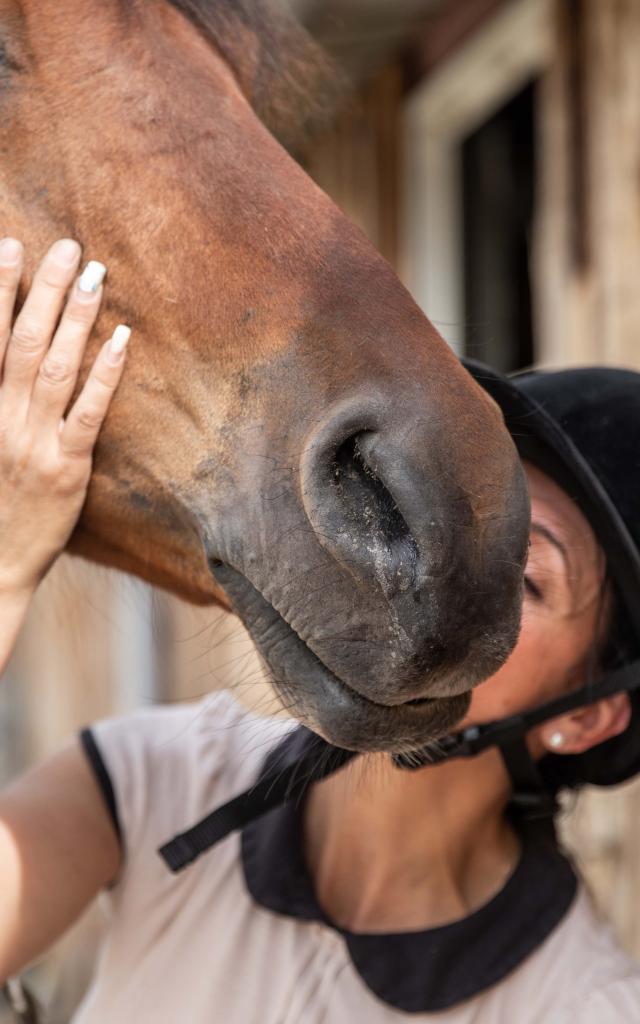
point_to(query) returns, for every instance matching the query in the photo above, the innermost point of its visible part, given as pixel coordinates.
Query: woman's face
(563, 608)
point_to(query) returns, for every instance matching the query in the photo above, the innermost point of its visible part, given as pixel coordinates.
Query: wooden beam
(444, 31)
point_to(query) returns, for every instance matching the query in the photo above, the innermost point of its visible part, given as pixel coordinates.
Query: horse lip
(318, 697)
(220, 569)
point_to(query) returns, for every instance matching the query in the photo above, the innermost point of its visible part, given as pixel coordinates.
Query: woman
(438, 892)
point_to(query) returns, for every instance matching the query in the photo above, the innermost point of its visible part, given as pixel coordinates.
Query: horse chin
(322, 701)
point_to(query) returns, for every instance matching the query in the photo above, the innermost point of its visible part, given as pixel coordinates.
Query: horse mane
(288, 79)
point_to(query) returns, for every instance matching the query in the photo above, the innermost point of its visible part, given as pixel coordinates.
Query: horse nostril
(359, 487)
(370, 512)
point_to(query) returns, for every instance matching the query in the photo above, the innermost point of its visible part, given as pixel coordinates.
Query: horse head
(292, 436)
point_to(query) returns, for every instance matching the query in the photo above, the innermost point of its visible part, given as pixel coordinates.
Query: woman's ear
(584, 728)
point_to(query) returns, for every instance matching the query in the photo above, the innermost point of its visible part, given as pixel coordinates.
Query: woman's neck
(391, 850)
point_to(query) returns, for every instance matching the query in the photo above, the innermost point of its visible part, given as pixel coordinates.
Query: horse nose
(441, 539)
(364, 495)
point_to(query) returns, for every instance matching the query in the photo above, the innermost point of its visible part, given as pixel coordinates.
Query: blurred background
(491, 151)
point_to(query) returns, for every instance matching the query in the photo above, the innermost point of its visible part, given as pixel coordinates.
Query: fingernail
(92, 276)
(10, 252)
(65, 252)
(118, 343)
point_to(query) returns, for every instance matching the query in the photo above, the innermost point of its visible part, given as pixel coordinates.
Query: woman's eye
(533, 589)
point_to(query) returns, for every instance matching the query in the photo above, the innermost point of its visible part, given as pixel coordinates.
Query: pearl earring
(556, 740)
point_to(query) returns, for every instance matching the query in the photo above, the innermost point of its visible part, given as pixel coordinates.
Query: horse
(292, 438)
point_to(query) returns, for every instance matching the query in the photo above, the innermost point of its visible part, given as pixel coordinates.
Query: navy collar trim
(418, 971)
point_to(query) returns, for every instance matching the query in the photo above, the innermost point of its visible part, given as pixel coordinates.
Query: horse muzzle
(377, 587)
(319, 699)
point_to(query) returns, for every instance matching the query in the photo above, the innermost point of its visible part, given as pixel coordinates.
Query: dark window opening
(498, 163)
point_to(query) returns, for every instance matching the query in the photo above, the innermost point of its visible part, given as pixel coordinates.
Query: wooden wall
(356, 160)
(588, 240)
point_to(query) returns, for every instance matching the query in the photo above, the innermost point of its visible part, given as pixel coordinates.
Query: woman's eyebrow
(548, 534)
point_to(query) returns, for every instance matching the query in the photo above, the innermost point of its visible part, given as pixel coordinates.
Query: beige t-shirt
(195, 948)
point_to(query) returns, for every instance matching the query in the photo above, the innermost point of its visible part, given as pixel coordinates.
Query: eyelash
(533, 589)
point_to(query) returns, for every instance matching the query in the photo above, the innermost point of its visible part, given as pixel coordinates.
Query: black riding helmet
(582, 428)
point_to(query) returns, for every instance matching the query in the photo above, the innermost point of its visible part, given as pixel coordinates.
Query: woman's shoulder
(161, 768)
(617, 1002)
(583, 972)
(215, 724)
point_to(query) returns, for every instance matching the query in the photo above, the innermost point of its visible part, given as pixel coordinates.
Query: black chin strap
(291, 782)
(503, 731)
(288, 784)
(530, 799)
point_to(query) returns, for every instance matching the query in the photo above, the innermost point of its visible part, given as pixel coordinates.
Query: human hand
(45, 455)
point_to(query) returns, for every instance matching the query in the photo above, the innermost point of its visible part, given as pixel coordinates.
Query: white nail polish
(556, 740)
(92, 276)
(119, 339)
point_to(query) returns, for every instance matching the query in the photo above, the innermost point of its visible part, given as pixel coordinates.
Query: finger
(59, 369)
(37, 319)
(11, 261)
(82, 425)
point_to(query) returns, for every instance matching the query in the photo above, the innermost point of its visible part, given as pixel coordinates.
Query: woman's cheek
(523, 680)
